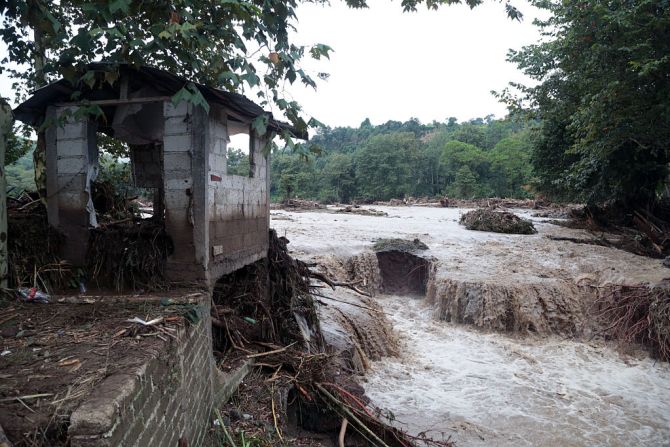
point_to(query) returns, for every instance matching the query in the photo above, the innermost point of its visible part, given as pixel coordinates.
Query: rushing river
(483, 388)
(490, 389)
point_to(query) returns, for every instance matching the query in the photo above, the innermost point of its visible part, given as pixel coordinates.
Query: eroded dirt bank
(527, 388)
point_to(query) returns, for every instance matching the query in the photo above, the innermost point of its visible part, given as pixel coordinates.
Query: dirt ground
(54, 354)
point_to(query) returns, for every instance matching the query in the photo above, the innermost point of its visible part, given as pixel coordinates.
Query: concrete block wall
(71, 152)
(168, 398)
(219, 222)
(238, 206)
(178, 154)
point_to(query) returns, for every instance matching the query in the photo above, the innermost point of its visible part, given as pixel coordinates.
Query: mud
(361, 269)
(549, 307)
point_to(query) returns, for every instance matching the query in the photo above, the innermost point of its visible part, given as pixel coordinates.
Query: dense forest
(482, 157)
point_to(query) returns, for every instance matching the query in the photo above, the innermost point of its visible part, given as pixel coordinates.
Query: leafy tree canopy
(603, 99)
(400, 159)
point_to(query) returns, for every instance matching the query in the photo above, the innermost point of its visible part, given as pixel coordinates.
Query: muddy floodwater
(488, 388)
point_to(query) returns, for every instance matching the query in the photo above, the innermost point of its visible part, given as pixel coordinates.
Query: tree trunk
(6, 119)
(39, 61)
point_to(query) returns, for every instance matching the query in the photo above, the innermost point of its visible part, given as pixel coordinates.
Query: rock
(666, 262)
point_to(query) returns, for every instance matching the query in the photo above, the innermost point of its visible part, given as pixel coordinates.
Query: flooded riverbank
(542, 386)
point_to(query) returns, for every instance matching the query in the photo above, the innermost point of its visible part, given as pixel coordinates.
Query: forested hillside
(479, 158)
(21, 175)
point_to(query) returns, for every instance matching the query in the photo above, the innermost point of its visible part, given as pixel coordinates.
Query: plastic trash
(32, 295)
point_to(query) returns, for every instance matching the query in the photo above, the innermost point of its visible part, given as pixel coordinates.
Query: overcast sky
(390, 65)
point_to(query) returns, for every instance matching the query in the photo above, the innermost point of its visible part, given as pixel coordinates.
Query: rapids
(541, 382)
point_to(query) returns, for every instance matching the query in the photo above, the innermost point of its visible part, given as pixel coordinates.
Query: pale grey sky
(390, 65)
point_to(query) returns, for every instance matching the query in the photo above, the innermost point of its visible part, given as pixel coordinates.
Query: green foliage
(465, 183)
(21, 175)
(384, 165)
(17, 146)
(339, 177)
(237, 162)
(117, 171)
(396, 160)
(603, 100)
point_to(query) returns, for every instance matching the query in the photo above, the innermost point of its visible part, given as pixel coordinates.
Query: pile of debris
(33, 246)
(299, 204)
(409, 201)
(125, 251)
(497, 222)
(639, 314)
(129, 255)
(641, 231)
(403, 245)
(497, 202)
(356, 209)
(266, 312)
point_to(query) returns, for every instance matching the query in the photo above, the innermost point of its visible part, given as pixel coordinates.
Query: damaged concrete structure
(218, 222)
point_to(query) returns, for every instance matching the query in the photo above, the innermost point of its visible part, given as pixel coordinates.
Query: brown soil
(547, 307)
(403, 273)
(58, 352)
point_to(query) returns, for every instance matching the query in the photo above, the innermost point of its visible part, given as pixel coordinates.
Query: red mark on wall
(215, 178)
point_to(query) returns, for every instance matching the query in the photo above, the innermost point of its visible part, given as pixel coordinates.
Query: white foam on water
(491, 389)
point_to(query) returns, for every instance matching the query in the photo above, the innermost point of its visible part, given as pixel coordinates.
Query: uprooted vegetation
(637, 314)
(643, 232)
(356, 209)
(497, 222)
(33, 248)
(403, 245)
(123, 254)
(266, 311)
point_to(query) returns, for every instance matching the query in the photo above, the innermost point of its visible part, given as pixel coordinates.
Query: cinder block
(181, 109)
(178, 183)
(175, 125)
(177, 143)
(71, 183)
(72, 165)
(68, 148)
(176, 160)
(72, 130)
